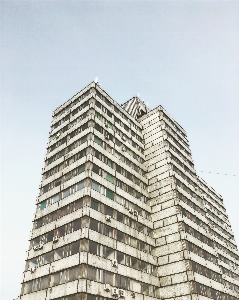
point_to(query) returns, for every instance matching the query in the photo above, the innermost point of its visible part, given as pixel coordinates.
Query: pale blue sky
(183, 55)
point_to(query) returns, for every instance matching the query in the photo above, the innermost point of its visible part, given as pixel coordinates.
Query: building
(121, 212)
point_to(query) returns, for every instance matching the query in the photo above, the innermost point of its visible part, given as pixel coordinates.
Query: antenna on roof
(96, 79)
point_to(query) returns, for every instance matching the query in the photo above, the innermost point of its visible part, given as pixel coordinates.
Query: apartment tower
(122, 213)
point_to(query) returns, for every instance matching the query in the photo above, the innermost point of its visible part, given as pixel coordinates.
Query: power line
(218, 173)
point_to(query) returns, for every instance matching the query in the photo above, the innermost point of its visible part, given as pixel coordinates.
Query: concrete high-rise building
(122, 213)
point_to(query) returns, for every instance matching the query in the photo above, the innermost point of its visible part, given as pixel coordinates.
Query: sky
(183, 55)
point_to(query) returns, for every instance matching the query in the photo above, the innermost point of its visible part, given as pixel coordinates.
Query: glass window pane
(74, 248)
(46, 258)
(64, 211)
(74, 273)
(120, 258)
(93, 247)
(61, 231)
(36, 241)
(55, 279)
(119, 200)
(95, 186)
(76, 224)
(94, 204)
(109, 253)
(42, 205)
(59, 253)
(91, 297)
(98, 141)
(109, 194)
(109, 278)
(66, 193)
(49, 236)
(32, 263)
(79, 204)
(96, 169)
(81, 169)
(109, 177)
(80, 186)
(83, 140)
(109, 211)
(94, 225)
(145, 288)
(55, 198)
(92, 273)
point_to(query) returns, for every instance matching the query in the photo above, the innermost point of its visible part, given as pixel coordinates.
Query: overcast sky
(183, 55)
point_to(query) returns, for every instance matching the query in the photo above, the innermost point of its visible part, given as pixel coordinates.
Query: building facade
(121, 212)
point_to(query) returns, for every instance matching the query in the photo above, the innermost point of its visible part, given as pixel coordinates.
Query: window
(107, 102)
(61, 231)
(145, 288)
(55, 198)
(91, 273)
(109, 231)
(120, 257)
(119, 200)
(109, 177)
(130, 190)
(98, 128)
(95, 186)
(117, 121)
(99, 116)
(36, 241)
(109, 253)
(80, 186)
(64, 211)
(109, 113)
(55, 279)
(94, 204)
(120, 217)
(42, 205)
(32, 263)
(89, 297)
(39, 223)
(49, 236)
(109, 278)
(79, 204)
(96, 169)
(74, 274)
(109, 162)
(83, 140)
(110, 125)
(94, 224)
(109, 194)
(97, 103)
(109, 211)
(46, 258)
(74, 248)
(118, 143)
(123, 282)
(45, 188)
(98, 141)
(81, 169)
(93, 248)
(76, 224)
(68, 176)
(65, 193)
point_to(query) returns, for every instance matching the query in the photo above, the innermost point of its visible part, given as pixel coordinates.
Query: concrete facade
(121, 212)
